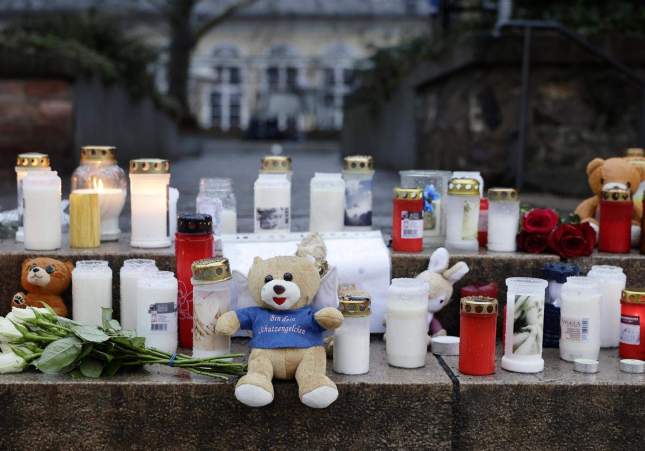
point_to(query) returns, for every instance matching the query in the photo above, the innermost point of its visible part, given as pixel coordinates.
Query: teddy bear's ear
(25, 264)
(257, 260)
(69, 265)
(594, 164)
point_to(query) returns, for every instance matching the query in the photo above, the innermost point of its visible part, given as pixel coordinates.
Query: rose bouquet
(542, 230)
(57, 345)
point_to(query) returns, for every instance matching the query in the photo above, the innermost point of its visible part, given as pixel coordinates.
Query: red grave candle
(477, 331)
(194, 241)
(407, 220)
(616, 211)
(632, 324)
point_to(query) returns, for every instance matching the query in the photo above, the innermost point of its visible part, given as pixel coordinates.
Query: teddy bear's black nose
(279, 289)
(36, 269)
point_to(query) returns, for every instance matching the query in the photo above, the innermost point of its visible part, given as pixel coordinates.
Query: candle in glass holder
(503, 219)
(327, 203)
(632, 324)
(462, 214)
(611, 281)
(157, 310)
(358, 172)
(149, 178)
(580, 319)
(42, 215)
(25, 163)
(131, 272)
(91, 291)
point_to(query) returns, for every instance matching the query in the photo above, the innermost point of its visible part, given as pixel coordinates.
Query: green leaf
(114, 325)
(76, 374)
(106, 316)
(49, 308)
(87, 348)
(90, 333)
(91, 368)
(113, 367)
(59, 354)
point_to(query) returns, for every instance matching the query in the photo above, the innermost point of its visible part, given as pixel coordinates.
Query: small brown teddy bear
(287, 331)
(44, 280)
(608, 174)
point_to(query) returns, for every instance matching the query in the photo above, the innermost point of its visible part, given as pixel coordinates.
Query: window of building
(226, 98)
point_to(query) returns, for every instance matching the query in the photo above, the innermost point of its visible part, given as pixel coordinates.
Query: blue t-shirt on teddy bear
(273, 329)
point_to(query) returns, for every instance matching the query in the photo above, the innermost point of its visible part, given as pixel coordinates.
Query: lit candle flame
(97, 184)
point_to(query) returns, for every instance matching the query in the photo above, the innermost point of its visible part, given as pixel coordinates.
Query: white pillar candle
(149, 203)
(462, 214)
(611, 281)
(157, 310)
(91, 291)
(524, 325)
(25, 163)
(352, 338)
(503, 219)
(358, 172)
(580, 319)
(406, 323)
(327, 203)
(42, 211)
(272, 203)
(131, 272)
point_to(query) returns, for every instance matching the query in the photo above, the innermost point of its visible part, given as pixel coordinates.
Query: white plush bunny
(441, 281)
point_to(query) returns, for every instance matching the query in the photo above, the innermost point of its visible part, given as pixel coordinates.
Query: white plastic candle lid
(632, 366)
(445, 345)
(410, 287)
(585, 366)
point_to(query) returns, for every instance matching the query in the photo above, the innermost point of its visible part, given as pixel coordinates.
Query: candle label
(208, 308)
(470, 220)
(527, 328)
(411, 225)
(431, 210)
(163, 317)
(575, 329)
(630, 330)
(272, 218)
(358, 202)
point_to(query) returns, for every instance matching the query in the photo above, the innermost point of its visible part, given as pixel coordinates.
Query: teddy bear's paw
(320, 397)
(253, 396)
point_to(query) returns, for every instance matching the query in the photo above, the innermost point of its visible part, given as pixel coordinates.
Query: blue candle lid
(559, 272)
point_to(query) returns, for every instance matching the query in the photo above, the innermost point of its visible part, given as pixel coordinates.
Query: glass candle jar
(352, 338)
(25, 163)
(99, 172)
(632, 324)
(462, 214)
(611, 281)
(524, 325)
(503, 219)
(471, 175)
(157, 310)
(216, 198)
(406, 323)
(272, 202)
(149, 180)
(435, 188)
(327, 203)
(407, 220)
(91, 291)
(42, 215)
(131, 272)
(211, 299)
(616, 213)
(477, 332)
(580, 319)
(194, 241)
(556, 274)
(482, 223)
(358, 172)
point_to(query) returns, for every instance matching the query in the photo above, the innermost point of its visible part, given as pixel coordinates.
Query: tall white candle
(406, 323)
(352, 338)
(462, 214)
(157, 310)
(131, 272)
(503, 219)
(91, 291)
(272, 203)
(611, 281)
(580, 319)
(358, 173)
(25, 163)
(42, 211)
(327, 203)
(149, 203)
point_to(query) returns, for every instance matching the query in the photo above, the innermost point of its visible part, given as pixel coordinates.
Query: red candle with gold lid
(616, 211)
(632, 324)
(477, 331)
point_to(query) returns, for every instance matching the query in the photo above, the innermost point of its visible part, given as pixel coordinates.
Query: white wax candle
(352, 346)
(611, 281)
(272, 203)
(91, 291)
(580, 319)
(358, 199)
(150, 210)
(229, 221)
(21, 173)
(42, 213)
(327, 203)
(157, 310)
(462, 217)
(210, 301)
(503, 223)
(131, 272)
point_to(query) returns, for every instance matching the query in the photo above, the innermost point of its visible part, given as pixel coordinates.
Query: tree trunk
(181, 45)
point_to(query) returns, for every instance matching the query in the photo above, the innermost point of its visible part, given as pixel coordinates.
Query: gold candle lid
(98, 154)
(276, 164)
(633, 296)
(408, 193)
(463, 186)
(355, 304)
(149, 166)
(211, 270)
(617, 195)
(358, 163)
(635, 152)
(502, 194)
(479, 305)
(32, 160)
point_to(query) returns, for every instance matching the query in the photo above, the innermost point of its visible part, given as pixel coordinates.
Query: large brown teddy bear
(44, 279)
(608, 174)
(287, 332)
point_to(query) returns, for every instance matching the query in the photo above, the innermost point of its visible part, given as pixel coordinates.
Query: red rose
(540, 220)
(572, 240)
(533, 243)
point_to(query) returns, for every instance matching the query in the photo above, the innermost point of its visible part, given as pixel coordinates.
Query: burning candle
(149, 178)
(25, 163)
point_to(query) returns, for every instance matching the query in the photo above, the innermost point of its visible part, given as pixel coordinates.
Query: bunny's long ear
(241, 293)
(327, 295)
(439, 260)
(454, 274)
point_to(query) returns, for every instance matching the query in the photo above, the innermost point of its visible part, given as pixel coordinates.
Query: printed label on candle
(272, 218)
(208, 308)
(431, 210)
(411, 225)
(470, 220)
(630, 330)
(163, 317)
(358, 202)
(575, 329)
(527, 328)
